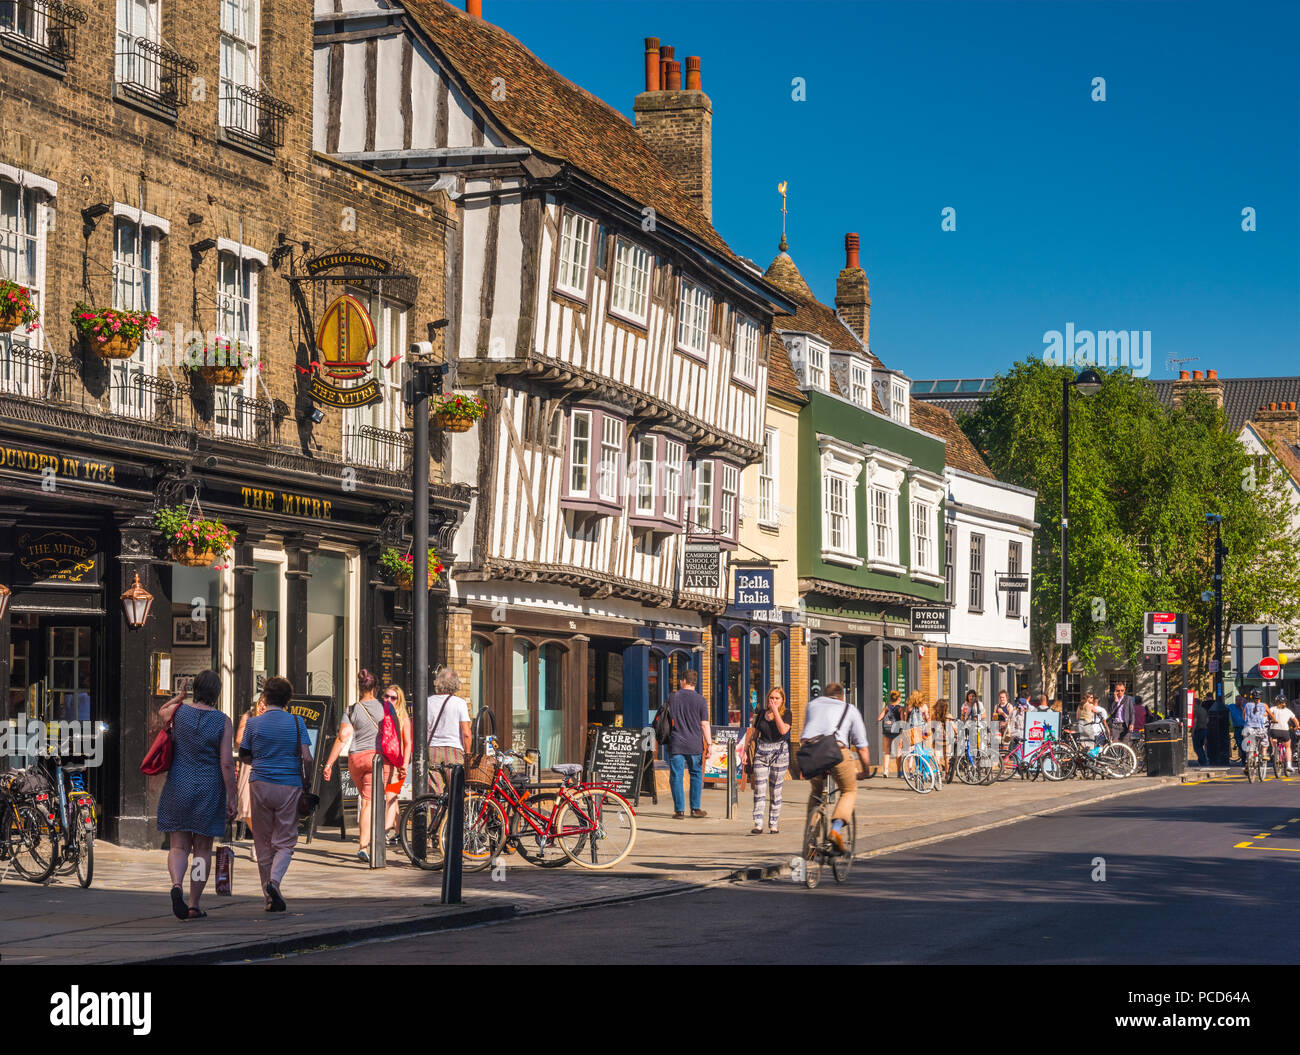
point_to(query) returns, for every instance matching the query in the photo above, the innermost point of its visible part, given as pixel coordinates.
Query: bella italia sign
(755, 588)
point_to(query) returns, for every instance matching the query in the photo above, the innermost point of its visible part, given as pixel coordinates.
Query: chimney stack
(676, 123)
(1206, 381)
(474, 8)
(852, 294)
(1279, 422)
(652, 64)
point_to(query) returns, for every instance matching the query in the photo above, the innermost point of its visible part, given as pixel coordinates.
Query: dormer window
(577, 233)
(693, 314)
(898, 409)
(860, 383)
(818, 369)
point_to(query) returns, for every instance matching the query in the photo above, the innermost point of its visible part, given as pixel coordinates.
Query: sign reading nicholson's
(330, 261)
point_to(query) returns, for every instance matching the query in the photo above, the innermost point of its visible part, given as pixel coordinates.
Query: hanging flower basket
(456, 413)
(400, 567)
(193, 540)
(112, 334)
(16, 307)
(224, 364)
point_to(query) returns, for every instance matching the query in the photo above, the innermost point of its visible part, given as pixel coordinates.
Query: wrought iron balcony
(256, 117)
(41, 29)
(377, 449)
(243, 419)
(155, 74)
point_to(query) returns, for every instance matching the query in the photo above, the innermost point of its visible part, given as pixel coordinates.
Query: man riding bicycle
(826, 716)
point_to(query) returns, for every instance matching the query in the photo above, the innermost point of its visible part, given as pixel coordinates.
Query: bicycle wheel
(1277, 761)
(841, 863)
(912, 771)
(1008, 764)
(1050, 766)
(1121, 758)
(427, 812)
(486, 830)
(84, 819)
(814, 838)
(967, 771)
(614, 831)
(536, 849)
(32, 843)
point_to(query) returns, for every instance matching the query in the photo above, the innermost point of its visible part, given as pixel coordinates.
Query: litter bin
(1218, 735)
(1165, 749)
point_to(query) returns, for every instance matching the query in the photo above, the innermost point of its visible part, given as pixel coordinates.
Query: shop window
(266, 623)
(735, 664)
(478, 657)
(756, 694)
(550, 705)
(777, 648)
(327, 623)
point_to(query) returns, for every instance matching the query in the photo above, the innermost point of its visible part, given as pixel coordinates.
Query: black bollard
(455, 838)
(378, 829)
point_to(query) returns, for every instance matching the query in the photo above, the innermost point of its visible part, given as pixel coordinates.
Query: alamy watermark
(22, 738)
(1130, 349)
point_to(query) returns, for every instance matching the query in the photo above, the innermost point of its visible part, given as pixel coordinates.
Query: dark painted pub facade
(300, 595)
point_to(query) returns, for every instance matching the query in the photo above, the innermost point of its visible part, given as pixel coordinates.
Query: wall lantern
(136, 602)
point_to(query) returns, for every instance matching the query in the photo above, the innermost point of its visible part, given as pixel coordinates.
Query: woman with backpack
(360, 732)
(891, 725)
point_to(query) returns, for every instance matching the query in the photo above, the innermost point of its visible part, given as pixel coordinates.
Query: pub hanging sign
(344, 338)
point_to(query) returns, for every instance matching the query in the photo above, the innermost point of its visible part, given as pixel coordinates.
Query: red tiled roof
(781, 379)
(555, 117)
(959, 452)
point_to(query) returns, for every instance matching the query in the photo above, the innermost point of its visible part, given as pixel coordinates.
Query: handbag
(224, 869)
(821, 754)
(307, 801)
(390, 738)
(158, 759)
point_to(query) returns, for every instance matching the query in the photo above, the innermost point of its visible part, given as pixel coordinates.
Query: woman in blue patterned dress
(199, 796)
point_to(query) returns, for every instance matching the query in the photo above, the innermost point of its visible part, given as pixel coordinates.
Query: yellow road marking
(1278, 827)
(1283, 849)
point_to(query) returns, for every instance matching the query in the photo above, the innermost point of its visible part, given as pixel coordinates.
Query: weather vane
(781, 189)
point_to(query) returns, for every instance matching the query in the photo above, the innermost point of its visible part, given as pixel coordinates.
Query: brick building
(158, 159)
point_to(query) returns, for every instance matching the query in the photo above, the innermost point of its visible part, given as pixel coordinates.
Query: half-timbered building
(619, 343)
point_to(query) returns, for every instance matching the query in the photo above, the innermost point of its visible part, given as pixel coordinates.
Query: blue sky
(1123, 214)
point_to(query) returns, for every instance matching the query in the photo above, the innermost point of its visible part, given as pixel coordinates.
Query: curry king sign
(345, 337)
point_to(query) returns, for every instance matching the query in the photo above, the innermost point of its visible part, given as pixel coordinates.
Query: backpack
(390, 738)
(663, 724)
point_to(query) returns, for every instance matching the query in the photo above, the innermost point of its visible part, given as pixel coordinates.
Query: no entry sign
(1269, 669)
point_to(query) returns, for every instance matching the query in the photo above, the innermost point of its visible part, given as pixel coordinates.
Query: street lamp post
(1088, 383)
(1219, 711)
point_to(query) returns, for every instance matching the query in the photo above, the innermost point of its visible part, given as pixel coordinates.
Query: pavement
(333, 899)
(1188, 874)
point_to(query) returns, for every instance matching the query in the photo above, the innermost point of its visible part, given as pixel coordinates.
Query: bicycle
(973, 763)
(1040, 760)
(593, 825)
(817, 846)
(1256, 742)
(28, 838)
(76, 818)
(921, 769)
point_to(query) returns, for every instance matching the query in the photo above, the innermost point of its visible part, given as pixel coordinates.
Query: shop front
(985, 671)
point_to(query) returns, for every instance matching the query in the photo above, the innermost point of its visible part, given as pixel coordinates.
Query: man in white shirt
(449, 735)
(829, 715)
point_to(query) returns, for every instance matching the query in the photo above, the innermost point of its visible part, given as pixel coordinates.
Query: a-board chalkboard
(617, 757)
(322, 726)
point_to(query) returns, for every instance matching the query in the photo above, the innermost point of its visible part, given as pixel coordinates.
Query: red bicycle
(591, 825)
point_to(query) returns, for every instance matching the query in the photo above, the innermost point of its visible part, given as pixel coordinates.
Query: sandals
(196, 913)
(179, 908)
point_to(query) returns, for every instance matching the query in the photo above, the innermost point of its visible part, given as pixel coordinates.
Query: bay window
(646, 450)
(577, 233)
(694, 308)
(702, 517)
(730, 500)
(657, 502)
(594, 460)
(746, 356)
(885, 475)
(674, 460)
(629, 296)
(580, 454)
(611, 459)
(841, 468)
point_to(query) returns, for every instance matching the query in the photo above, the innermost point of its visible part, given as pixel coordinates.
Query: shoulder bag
(821, 754)
(307, 802)
(158, 759)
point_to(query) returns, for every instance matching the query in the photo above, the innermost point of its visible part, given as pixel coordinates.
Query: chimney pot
(652, 64)
(1272, 406)
(474, 8)
(1197, 375)
(1184, 375)
(1211, 375)
(674, 77)
(851, 250)
(693, 73)
(1291, 406)
(665, 57)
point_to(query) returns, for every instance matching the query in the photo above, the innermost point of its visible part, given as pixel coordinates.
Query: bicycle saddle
(567, 769)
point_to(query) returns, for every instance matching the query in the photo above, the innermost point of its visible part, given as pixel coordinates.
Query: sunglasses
(390, 695)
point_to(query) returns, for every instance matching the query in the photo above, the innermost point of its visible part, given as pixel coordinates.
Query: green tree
(1143, 477)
